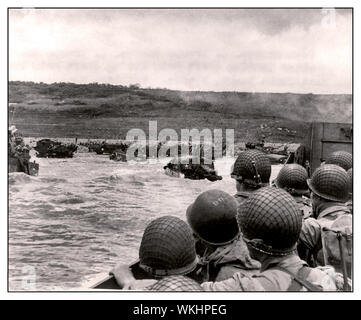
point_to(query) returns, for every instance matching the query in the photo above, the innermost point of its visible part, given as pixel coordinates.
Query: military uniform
(311, 229)
(349, 202)
(349, 205)
(222, 251)
(305, 206)
(273, 278)
(226, 260)
(270, 222)
(330, 185)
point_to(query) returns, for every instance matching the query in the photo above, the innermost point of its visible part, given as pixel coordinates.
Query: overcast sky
(274, 50)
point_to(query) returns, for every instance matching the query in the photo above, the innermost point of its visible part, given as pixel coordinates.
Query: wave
(134, 179)
(53, 180)
(19, 177)
(72, 200)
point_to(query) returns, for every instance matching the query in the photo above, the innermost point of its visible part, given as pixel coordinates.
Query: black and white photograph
(185, 149)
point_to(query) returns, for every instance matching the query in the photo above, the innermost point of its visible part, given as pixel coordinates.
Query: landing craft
(108, 148)
(321, 140)
(276, 155)
(191, 170)
(325, 138)
(109, 282)
(47, 148)
(30, 168)
(19, 155)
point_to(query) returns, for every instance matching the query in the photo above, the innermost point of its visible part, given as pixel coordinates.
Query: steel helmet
(176, 283)
(330, 182)
(252, 167)
(270, 221)
(167, 247)
(340, 158)
(212, 217)
(293, 178)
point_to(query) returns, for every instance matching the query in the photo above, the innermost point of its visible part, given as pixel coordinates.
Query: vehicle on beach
(107, 148)
(188, 168)
(47, 148)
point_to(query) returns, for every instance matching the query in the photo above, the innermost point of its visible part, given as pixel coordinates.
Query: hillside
(109, 111)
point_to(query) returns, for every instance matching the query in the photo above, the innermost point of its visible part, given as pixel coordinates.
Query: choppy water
(83, 215)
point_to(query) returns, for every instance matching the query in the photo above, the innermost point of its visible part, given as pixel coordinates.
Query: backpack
(337, 246)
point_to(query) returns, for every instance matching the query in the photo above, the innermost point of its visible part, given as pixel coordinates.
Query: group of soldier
(268, 237)
(17, 148)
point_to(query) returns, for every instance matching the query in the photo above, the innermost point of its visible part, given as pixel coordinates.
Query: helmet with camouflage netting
(176, 283)
(330, 182)
(270, 221)
(293, 178)
(167, 248)
(340, 158)
(253, 168)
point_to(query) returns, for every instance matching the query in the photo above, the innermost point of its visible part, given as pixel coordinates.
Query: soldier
(222, 251)
(293, 179)
(251, 170)
(270, 222)
(167, 248)
(11, 142)
(340, 158)
(329, 186)
(18, 149)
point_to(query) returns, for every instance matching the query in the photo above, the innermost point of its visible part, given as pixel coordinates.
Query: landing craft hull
(325, 138)
(55, 155)
(30, 168)
(191, 171)
(276, 158)
(47, 148)
(172, 173)
(109, 282)
(108, 148)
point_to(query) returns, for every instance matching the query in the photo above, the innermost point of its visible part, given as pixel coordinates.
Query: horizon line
(158, 88)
